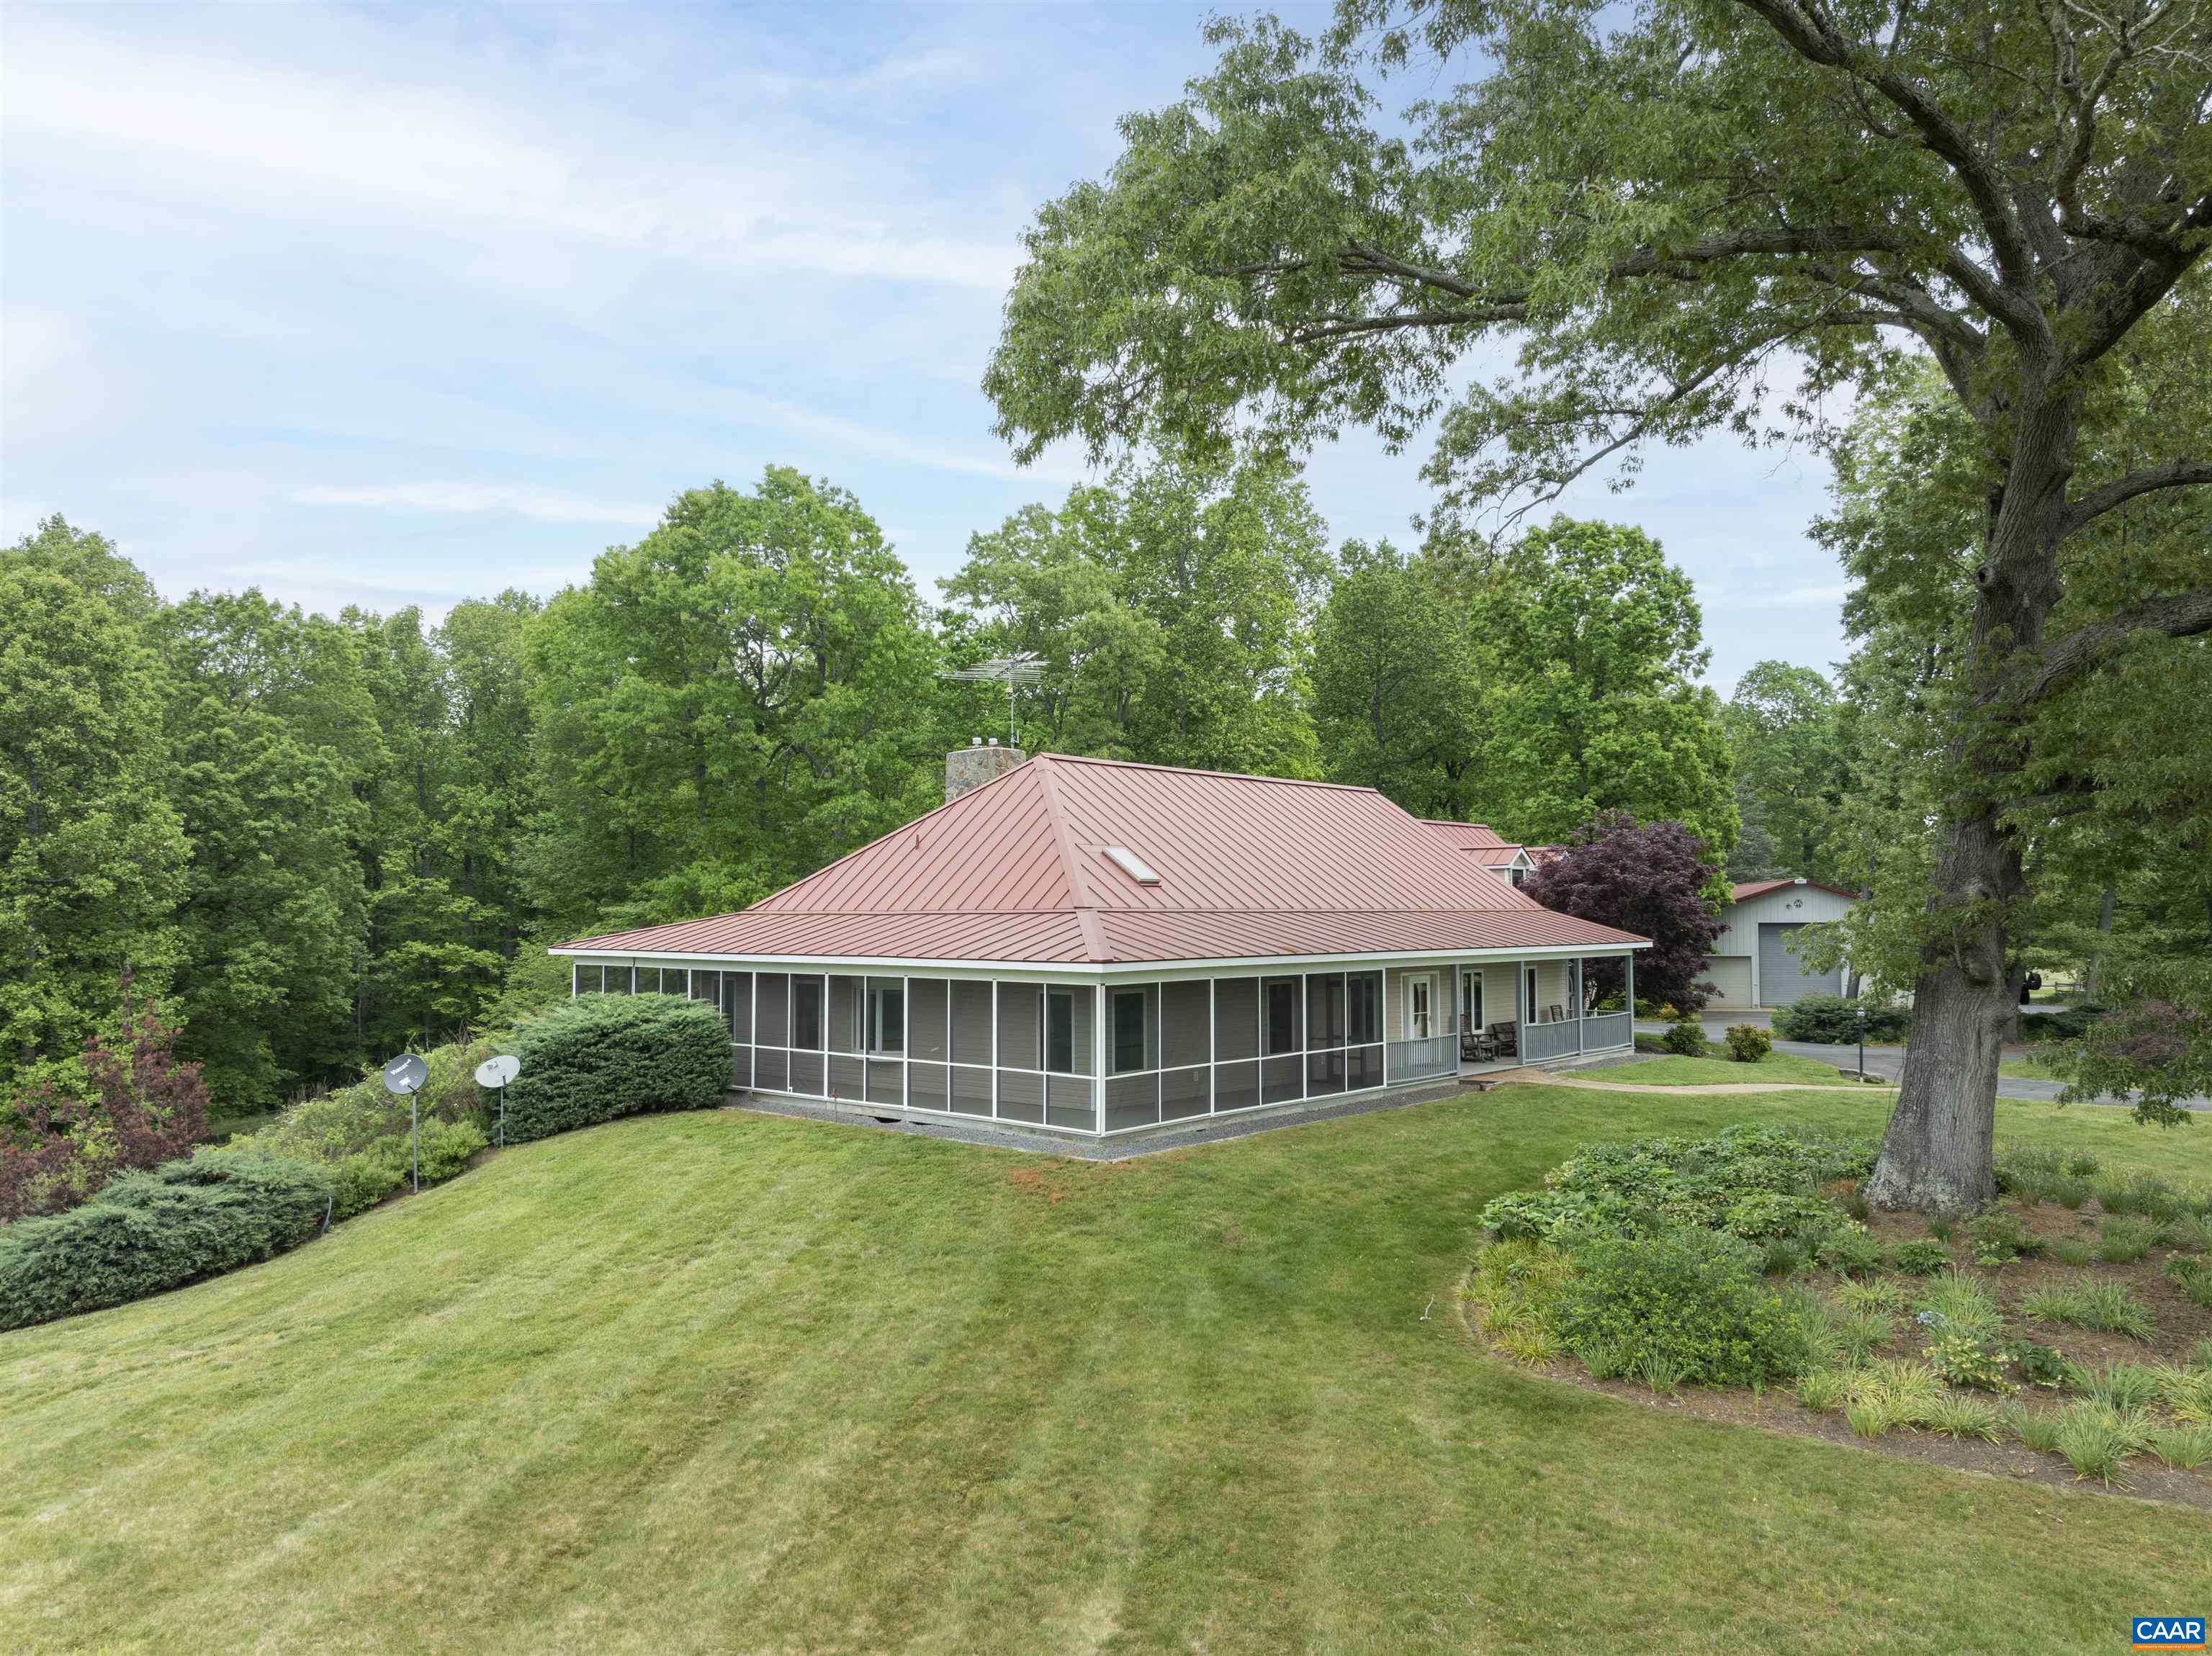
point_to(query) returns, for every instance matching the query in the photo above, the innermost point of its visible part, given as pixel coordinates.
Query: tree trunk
(2104, 931)
(1937, 1154)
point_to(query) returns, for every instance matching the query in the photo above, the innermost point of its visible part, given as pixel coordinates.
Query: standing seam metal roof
(1018, 871)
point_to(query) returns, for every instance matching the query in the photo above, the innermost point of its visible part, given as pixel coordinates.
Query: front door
(1420, 1007)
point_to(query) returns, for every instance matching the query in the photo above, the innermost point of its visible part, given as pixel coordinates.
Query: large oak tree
(1672, 214)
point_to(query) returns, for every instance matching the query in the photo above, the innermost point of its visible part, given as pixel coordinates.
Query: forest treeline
(314, 838)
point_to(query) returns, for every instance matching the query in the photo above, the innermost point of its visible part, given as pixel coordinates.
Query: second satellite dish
(498, 1072)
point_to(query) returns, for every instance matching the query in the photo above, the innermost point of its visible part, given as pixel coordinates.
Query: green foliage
(2185, 1448)
(1685, 1298)
(2126, 1387)
(1747, 1043)
(602, 1056)
(353, 1118)
(1823, 1389)
(1832, 1020)
(2122, 1241)
(368, 1176)
(148, 1231)
(2098, 1441)
(742, 695)
(1764, 1213)
(92, 855)
(1592, 646)
(2108, 1308)
(1850, 1251)
(1999, 1237)
(1786, 731)
(1921, 1259)
(2072, 1251)
(2040, 1364)
(1967, 1359)
(2193, 1277)
(1685, 1038)
(1959, 1304)
(1954, 1417)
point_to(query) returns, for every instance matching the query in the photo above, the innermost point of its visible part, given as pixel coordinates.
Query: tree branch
(2183, 614)
(2174, 474)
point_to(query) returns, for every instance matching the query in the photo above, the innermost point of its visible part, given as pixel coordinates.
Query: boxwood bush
(598, 1056)
(148, 1231)
(1834, 1020)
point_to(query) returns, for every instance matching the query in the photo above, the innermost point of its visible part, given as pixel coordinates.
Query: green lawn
(2028, 1069)
(1673, 1071)
(723, 1381)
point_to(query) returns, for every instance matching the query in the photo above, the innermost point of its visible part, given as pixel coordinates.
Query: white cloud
(982, 460)
(539, 505)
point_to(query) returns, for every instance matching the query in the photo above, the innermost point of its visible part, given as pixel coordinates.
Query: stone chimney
(968, 768)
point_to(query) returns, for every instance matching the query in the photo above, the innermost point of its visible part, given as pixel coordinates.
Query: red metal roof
(1480, 838)
(1018, 871)
(1760, 887)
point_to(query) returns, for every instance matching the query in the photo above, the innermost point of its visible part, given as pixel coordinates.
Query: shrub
(2141, 1193)
(1685, 1038)
(366, 1177)
(2072, 1251)
(1889, 1394)
(148, 1231)
(2028, 1171)
(352, 1118)
(1782, 1257)
(1771, 1213)
(1965, 1359)
(2123, 1385)
(1516, 1283)
(2069, 1025)
(1834, 1021)
(1921, 1259)
(2187, 1391)
(1858, 1334)
(597, 1056)
(144, 1109)
(1686, 1298)
(1822, 1389)
(2036, 1430)
(2107, 1307)
(2040, 1364)
(2069, 1192)
(1747, 1043)
(1999, 1237)
(1876, 1296)
(1850, 1252)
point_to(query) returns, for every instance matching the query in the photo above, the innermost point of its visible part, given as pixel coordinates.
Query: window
(1420, 1011)
(1470, 1000)
(807, 1013)
(1060, 1029)
(1279, 1015)
(1129, 1029)
(1528, 1012)
(886, 1016)
(1364, 993)
(1516, 875)
(1325, 1010)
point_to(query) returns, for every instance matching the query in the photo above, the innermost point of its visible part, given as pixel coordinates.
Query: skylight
(1131, 864)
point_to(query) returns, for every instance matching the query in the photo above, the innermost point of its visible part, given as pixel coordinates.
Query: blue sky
(388, 306)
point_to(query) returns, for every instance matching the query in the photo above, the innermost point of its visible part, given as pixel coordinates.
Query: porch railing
(1603, 1029)
(1410, 1060)
(1543, 1040)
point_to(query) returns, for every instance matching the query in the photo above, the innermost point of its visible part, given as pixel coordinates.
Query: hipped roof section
(1019, 872)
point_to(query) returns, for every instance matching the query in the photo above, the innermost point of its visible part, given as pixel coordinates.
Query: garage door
(1782, 978)
(1730, 977)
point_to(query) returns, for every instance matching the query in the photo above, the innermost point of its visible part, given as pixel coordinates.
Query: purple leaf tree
(1645, 878)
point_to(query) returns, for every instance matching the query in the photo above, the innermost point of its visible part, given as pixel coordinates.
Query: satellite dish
(498, 1072)
(405, 1074)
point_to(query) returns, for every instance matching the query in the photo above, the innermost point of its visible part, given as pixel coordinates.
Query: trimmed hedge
(149, 1231)
(598, 1056)
(1834, 1020)
(2071, 1024)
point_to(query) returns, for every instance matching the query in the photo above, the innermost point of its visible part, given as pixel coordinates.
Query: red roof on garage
(1760, 887)
(1024, 870)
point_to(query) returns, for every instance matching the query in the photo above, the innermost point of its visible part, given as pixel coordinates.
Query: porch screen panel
(1282, 1026)
(1235, 1086)
(971, 1090)
(1020, 1007)
(708, 986)
(1185, 1093)
(738, 999)
(884, 1026)
(1281, 1080)
(1021, 1095)
(806, 998)
(1071, 1102)
(847, 1077)
(929, 1087)
(1325, 1072)
(676, 980)
(927, 1003)
(771, 1068)
(886, 1081)
(1132, 1020)
(585, 979)
(972, 1023)
(1131, 1101)
(1367, 1068)
(1085, 1011)
(741, 1067)
(1186, 1023)
(618, 981)
(1236, 1017)
(844, 1025)
(806, 1073)
(773, 998)
(646, 980)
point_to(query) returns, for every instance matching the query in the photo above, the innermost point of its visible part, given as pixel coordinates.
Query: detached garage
(1753, 963)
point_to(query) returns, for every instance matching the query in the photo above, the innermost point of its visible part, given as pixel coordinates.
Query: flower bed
(2072, 1319)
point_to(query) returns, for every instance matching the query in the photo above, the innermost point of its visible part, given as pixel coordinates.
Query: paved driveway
(1880, 1060)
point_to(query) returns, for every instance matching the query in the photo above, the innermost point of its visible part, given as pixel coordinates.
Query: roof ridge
(1055, 810)
(1193, 770)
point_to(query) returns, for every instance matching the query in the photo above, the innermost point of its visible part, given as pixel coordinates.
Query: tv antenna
(1026, 668)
